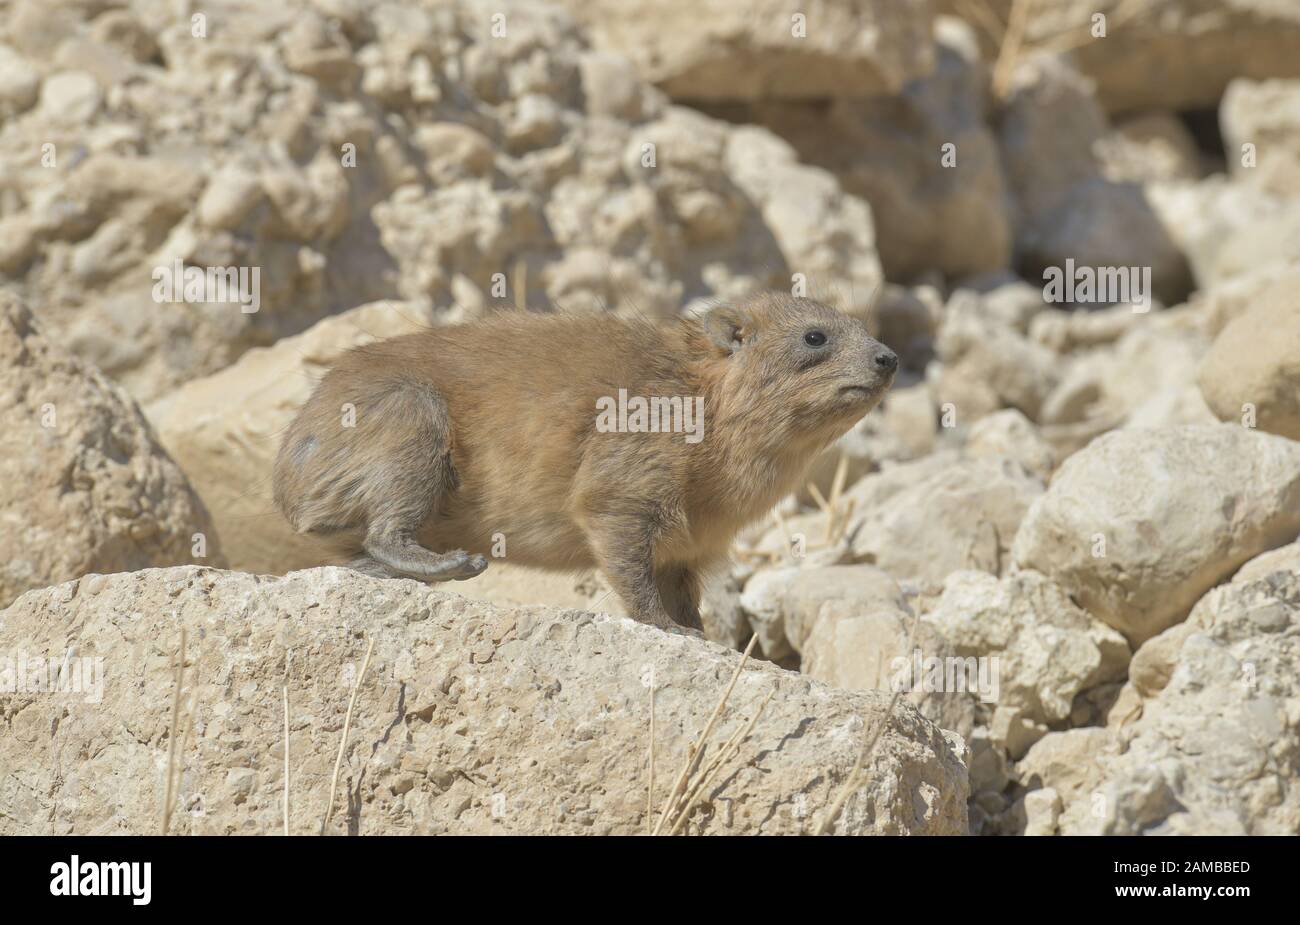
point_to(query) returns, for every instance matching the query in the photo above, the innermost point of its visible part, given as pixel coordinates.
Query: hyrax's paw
(462, 565)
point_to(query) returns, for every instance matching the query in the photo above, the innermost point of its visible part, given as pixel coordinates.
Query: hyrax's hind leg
(374, 460)
(416, 475)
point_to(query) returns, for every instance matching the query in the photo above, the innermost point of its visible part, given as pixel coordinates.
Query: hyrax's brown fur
(415, 455)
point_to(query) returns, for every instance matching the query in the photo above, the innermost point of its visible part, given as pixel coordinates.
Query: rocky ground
(1094, 503)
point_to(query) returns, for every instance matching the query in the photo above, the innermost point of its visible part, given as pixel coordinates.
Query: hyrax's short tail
(364, 465)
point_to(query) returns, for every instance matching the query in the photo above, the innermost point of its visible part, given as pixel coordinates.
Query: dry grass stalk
(650, 789)
(820, 499)
(841, 476)
(1009, 49)
(729, 750)
(678, 792)
(1013, 43)
(347, 725)
(979, 12)
(785, 531)
(834, 528)
(169, 788)
(286, 759)
(521, 285)
(1068, 41)
(852, 782)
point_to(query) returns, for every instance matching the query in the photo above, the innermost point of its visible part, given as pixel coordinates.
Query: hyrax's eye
(814, 339)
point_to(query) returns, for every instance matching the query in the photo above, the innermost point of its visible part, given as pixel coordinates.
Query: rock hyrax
(419, 456)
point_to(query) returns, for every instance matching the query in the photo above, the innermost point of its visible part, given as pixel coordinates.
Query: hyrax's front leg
(624, 547)
(679, 589)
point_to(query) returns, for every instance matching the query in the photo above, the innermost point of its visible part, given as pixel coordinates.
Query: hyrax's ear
(730, 327)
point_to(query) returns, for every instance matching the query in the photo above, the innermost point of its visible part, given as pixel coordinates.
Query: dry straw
(343, 742)
(286, 759)
(169, 790)
(650, 788)
(692, 780)
(1012, 41)
(854, 779)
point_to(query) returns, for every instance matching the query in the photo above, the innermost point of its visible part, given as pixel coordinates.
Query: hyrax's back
(483, 424)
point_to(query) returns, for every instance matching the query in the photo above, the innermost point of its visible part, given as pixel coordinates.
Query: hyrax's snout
(885, 359)
(876, 362)
(869, 368)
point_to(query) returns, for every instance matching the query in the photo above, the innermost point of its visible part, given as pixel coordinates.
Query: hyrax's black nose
(887, 360)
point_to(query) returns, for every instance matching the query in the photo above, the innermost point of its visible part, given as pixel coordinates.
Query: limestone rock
(1222, 303)
(924, 159)
(1009, 434)
(1140, 523)
(84, 484)
(857, 643)
(1156, 359)
(19, 82)
(71, 96)
(909, 413)
(978, 349)
(784, 604)
(1266, 116)
(1282, 559)
(759, 49)
(1066, 207)
(1150, 147)
(1212, 749)
(470, 718)
(1049, 650)
(944, 518)
(1255, 361)
(823, 234)
(1176, 54)
(1229, 230)
(353, 152)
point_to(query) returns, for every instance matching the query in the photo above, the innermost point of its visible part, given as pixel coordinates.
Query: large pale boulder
(1261, 132)
(19, 82)
(469, 718)
(824, 235)
(1226, 229)
(1140, 523)
(1255, 362)
(957, 516)
(784, 604)
(1211, 745)
(766, 49)
(1154, 361)
(1151, 146)
(924, 158)
(988, 363)
(1171, 54)
(1066, 208)
(1010, 435)
(1282, 559)
(1048, 650)
(84, 484)
(225, 430)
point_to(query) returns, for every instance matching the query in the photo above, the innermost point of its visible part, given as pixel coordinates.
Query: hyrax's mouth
(868, 390)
